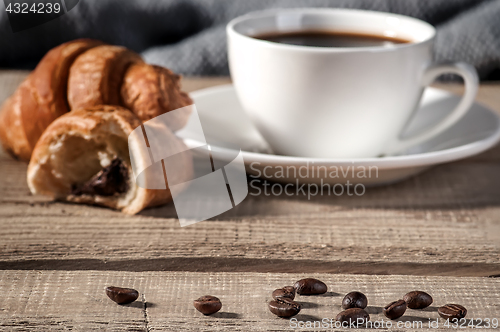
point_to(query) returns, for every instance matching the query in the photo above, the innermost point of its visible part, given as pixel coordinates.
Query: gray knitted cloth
(188, 36)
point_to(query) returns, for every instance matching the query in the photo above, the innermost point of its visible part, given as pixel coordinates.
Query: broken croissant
(85, 73)
(83, 157)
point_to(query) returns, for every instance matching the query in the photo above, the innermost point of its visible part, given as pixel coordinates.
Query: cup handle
(471, 80)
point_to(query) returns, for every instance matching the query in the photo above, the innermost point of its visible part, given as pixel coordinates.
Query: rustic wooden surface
(439, 231)
(63, 300)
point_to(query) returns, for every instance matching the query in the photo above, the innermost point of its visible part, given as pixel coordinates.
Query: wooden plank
(61, 300)
(190, 84)
(445, 242)
(487, 94)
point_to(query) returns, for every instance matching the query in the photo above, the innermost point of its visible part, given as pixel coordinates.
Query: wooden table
(438, 232)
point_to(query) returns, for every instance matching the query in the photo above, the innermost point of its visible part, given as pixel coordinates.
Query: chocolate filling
(110, 180)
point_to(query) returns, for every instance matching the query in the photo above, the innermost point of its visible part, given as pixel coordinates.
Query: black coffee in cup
(325, 38)
(309, 101)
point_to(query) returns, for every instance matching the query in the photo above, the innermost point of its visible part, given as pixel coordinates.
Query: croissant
(153, 90)
(83, 157)
(67, 120)
(95, 76)
(85, 73)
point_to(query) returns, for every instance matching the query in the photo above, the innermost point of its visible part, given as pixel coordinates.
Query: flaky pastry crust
(95, 77)
(79, 144)
(150, 90)
(40, 99)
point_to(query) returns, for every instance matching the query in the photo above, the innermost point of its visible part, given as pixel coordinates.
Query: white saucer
(228, 129)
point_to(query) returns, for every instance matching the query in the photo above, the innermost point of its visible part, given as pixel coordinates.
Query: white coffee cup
(338, 102)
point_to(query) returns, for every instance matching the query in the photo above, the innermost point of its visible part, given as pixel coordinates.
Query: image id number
(478, 323)
(35, 8)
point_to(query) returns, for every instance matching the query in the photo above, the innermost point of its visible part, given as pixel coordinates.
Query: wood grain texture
(438, 232)
(59, 300)
(62, 231)
(443, 222)
(261, 227)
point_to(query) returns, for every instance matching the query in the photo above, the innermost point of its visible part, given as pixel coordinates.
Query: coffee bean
(395, 309)
(122, 295)
(356, 316)
(417, 300)
(450, 311)
(354, 300)
(310, 286)
(207, 304)
(284, 307)
(287, 291)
